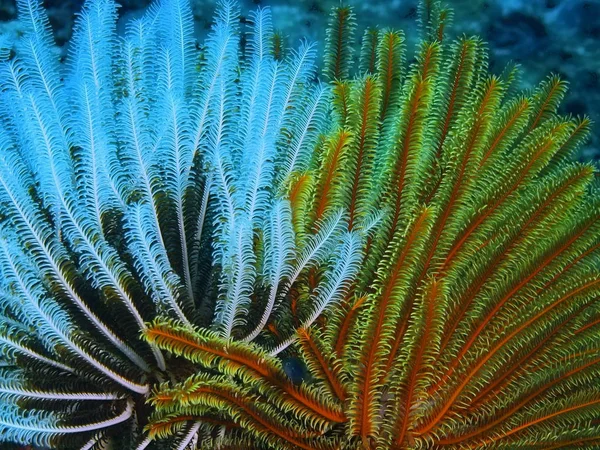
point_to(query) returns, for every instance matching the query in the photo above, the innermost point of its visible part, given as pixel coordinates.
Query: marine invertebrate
(149, 183)
(215, 206)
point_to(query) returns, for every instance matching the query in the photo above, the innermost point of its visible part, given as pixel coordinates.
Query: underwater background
(542, 36)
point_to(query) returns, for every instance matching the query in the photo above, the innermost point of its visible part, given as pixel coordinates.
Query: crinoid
(208, 248)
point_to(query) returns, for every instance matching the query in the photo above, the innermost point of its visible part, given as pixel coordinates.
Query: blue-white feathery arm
(260, 36)
(95, 185)
(189, 436)
(221, 66)
(101, 181)
(318, 246)
(144, 444)
(50, 321)
(39, 427)
(198, 234)
(367, 225)
(14, 387)
(345, 264)
(296, 82)
(220, 164)
(213, 116)
(135, 133)
(224, 198)
(107, 270)
(144, 34)
(151, 261)
(24, 394)
(98, 260)
(301, 70)
(174, 152)
(12, 106)
(176, 24)
(28, 118)
(48, 254)
(9, 342)
(43, 139)
(93, 442)
(251, 99)
(250, 188)
(279, 252)
(304, 130)
(227, 219)
(40, 59)
(257, 97)
(10, 326)
(42, 79)
(259, 154)
(337, 280)
(232, 310)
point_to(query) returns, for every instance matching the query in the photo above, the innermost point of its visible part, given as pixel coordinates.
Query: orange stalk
(331, 378)
(468, 376)
(259, 366)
